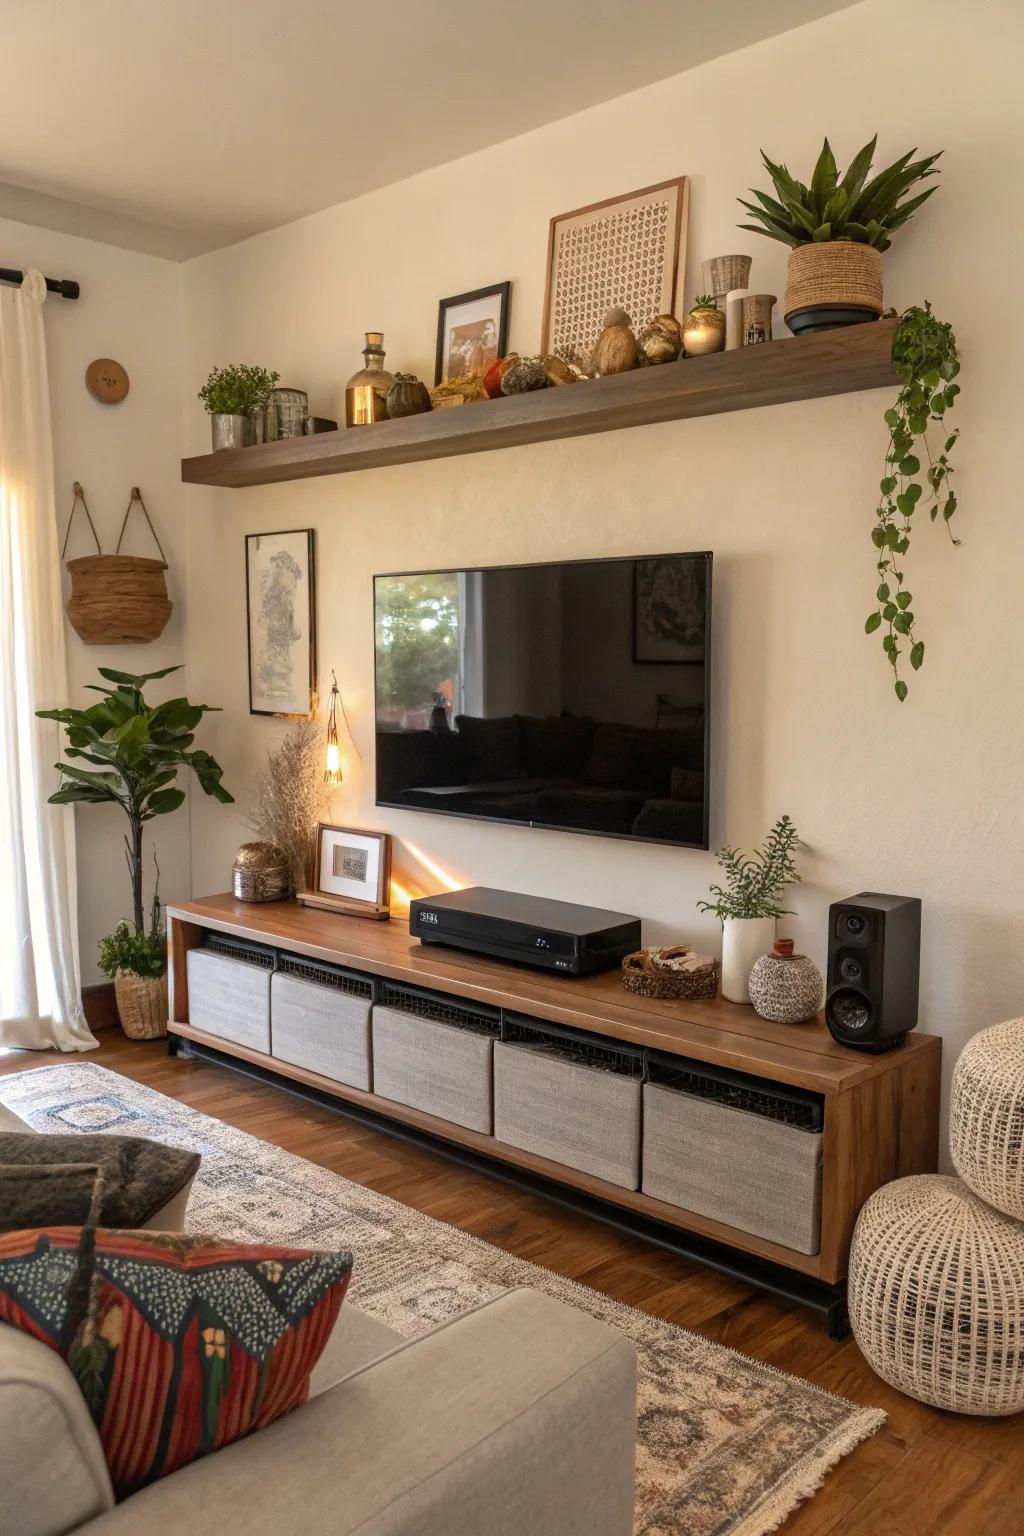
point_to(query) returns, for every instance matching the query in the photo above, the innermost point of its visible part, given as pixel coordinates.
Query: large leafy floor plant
(136, 750)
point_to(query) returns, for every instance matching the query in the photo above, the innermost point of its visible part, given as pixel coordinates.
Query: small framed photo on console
(353, 872)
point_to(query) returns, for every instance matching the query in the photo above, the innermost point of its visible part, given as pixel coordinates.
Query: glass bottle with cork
(366, 391)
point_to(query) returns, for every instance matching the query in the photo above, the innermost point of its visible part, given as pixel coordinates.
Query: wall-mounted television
(571, 695)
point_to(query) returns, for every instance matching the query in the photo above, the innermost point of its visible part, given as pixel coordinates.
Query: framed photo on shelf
(353, 872)
(472, 331)
(669, 613)
(625, 251)
(280, 611)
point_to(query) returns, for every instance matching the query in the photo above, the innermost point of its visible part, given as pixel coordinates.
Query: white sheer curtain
(40, 992)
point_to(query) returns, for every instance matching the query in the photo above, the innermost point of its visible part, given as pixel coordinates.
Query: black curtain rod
(65, 286)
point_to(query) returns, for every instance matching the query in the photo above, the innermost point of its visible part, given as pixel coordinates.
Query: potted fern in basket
(137, 749)
(748, 903)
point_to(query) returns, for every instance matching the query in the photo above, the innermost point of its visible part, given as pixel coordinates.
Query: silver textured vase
(784, 987)
(229, 431)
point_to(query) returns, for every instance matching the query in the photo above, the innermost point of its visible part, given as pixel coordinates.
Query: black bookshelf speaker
(874, 963)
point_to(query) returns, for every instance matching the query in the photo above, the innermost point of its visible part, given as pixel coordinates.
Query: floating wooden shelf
(802, 368)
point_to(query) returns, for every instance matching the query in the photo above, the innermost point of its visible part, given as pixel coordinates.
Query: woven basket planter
(142, 1006)
(833, 273)
(936, 1295)
(117, 599)
(986, 1116)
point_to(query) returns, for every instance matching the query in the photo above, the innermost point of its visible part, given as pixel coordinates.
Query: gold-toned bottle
(366, 391)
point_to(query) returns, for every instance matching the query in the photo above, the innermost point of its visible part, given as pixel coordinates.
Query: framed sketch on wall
(472, 331)
(280, 607)
(669, 612)
(626, 251)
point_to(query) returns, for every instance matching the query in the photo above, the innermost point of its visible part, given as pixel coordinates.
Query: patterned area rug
(726, 1446)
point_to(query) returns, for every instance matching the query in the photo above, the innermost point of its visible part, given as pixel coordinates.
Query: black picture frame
(640, 660)
(500, 291)
(309, 535)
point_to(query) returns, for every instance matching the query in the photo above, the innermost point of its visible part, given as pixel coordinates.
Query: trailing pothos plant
(924, 355)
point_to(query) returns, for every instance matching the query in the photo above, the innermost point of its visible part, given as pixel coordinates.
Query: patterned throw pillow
(180, 1344)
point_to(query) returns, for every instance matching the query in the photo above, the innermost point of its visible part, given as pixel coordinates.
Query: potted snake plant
(837, 228)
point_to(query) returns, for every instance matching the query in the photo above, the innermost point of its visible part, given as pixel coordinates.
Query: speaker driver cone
(848, 1011)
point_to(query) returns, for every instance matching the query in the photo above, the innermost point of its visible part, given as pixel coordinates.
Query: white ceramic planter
(744, 940)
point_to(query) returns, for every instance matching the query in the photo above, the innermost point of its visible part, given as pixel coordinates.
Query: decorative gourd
(558, 370)
(616, 350)
(523, 374)
(661, 341)
(704, 330)
(493, 376)
(407, 396)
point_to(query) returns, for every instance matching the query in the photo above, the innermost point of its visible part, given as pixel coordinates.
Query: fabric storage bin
(570, 1097)
(737, 1149)
(434, 1053)
(229, 990)
(320, 1019)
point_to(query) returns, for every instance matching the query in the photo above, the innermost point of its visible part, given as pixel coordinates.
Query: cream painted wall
(920, 798)
(128, 310)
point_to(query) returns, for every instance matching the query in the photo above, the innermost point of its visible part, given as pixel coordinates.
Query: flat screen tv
(571, 695)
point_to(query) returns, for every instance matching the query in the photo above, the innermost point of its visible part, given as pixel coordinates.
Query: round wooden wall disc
(106, 380)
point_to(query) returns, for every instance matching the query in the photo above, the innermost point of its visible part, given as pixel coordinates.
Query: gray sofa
(516, 1419)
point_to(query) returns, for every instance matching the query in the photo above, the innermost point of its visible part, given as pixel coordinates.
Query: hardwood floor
(926, 1473)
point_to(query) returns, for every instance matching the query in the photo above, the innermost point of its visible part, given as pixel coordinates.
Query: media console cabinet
(746, 1144)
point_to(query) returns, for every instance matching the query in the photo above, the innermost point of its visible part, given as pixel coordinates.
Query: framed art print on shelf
(669, 613)
(626, 251)
(472, 331)
(280, 609)
(353, 872)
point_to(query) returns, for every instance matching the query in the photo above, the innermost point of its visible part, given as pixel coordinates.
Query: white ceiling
(177, 126)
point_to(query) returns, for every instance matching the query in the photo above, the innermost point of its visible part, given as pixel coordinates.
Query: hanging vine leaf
(924, 355)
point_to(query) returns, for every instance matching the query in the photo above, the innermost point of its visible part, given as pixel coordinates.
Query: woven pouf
(986, 1116)
(936, 1295)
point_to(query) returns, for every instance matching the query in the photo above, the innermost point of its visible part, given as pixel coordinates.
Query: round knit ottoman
(986, 1116)
(936, 1295)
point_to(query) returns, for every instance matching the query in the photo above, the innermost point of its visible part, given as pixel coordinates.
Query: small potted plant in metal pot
(234, 396)
(837, 229)
(748, 903)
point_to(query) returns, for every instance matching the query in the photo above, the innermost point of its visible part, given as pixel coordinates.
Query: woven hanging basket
(142, 1006)
(116, 599)
(833, 272)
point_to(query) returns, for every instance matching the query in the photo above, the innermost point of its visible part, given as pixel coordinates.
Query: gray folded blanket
(48, 1181)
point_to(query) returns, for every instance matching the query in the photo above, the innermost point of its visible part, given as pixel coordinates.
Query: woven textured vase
(986, 1116)
(840, 272)
(142, 1006)
(936, 1295)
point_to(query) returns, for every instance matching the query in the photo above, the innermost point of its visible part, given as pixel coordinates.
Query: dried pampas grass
(290, 799)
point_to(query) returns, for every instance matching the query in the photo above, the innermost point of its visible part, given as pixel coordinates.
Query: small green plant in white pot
(233, 395)
(749, 903)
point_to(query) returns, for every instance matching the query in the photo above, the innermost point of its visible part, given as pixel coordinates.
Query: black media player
(552, 935)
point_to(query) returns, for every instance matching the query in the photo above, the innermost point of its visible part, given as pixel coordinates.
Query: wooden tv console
(881, 1112)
